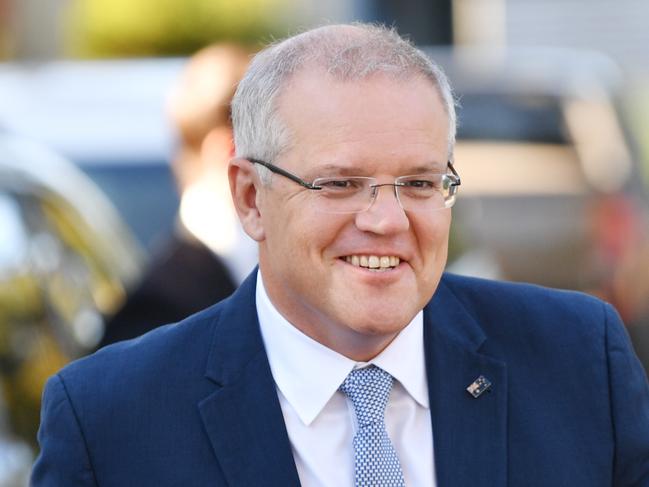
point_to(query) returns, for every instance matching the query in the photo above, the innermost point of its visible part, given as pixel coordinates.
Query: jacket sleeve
(629, 406)
(63, 459)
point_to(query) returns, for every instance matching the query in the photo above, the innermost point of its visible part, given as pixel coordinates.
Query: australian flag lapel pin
(478, 386)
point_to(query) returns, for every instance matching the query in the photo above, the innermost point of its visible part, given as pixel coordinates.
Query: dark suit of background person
(196, 403)
(183, 277)
(207, 256)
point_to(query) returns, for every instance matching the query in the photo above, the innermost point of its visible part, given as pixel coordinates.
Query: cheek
(300, 239)
(432, 240)
(321, 233)
(433, 233)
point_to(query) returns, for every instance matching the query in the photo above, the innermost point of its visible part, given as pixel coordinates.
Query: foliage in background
(5, 38)
(129, 28)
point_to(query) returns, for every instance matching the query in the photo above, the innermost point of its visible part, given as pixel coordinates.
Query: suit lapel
(469, 434)
(243, 418)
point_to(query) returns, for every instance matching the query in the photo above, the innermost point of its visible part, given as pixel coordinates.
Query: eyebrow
(435, 167)
(333, 170)
(336, 170)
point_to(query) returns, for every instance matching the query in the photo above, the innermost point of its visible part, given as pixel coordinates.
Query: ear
(244, 184)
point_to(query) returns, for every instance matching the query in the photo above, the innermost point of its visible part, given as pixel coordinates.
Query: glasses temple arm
(282, 172)
(449, 164)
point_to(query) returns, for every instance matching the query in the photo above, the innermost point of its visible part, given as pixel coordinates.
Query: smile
(373, 262)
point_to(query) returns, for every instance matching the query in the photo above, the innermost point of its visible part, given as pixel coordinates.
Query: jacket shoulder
(473, 291)
(512, 311)
(168, 354)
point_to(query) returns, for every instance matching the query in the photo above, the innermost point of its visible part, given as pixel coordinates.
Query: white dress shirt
(320, 420)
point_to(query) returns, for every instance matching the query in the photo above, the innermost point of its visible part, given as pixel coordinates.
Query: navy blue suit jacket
(194, 404)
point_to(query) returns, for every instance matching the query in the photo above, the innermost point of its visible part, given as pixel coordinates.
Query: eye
(344, 183)
(350, 184)
(420, 184)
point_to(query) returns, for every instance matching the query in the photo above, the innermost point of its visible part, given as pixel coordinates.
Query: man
(348, 359)
(208, 254)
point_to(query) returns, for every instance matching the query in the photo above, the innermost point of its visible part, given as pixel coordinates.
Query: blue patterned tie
(377, 464)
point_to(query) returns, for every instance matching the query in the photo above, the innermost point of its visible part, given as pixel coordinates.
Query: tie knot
(368, 389)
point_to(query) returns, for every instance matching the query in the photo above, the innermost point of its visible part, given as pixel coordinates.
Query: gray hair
(346, 52)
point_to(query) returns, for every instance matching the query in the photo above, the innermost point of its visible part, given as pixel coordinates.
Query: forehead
(374, 123)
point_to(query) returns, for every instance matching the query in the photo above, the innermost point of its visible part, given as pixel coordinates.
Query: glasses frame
(303, 183)
(374, 187)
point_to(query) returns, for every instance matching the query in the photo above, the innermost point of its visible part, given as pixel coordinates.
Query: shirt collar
(308, 374)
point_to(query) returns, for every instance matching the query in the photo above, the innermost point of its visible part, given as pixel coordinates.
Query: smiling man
(345, 264)
(348, 358)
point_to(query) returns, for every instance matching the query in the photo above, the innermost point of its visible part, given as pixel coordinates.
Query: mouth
(376, 263)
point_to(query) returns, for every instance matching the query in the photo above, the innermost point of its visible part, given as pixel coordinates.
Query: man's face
(375, 127)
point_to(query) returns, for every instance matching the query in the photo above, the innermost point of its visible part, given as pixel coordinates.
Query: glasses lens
(343, 195)
(355, 194)
(426, 192)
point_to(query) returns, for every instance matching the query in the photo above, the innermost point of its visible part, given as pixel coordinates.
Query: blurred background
(553, 150)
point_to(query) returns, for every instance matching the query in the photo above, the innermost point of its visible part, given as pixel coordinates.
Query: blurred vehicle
(66, 255)
(65, 261)
(108, 117)
(552, 189)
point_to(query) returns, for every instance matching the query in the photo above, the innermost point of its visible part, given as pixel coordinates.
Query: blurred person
(209, 254)
(348, 357)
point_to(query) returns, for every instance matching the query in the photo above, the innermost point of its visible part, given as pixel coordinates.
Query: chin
(383, 322)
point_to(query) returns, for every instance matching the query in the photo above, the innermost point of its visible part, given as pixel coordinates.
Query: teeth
(373, 262)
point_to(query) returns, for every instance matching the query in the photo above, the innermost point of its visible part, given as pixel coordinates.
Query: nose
(385, 215)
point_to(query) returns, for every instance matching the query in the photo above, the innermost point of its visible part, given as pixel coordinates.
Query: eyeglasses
(420, 192)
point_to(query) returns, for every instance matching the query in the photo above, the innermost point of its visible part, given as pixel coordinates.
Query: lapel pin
(478, 386)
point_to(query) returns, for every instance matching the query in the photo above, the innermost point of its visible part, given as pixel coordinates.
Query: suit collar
(448, 318)
(243, 418)
(236, 339)
(470, 435)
